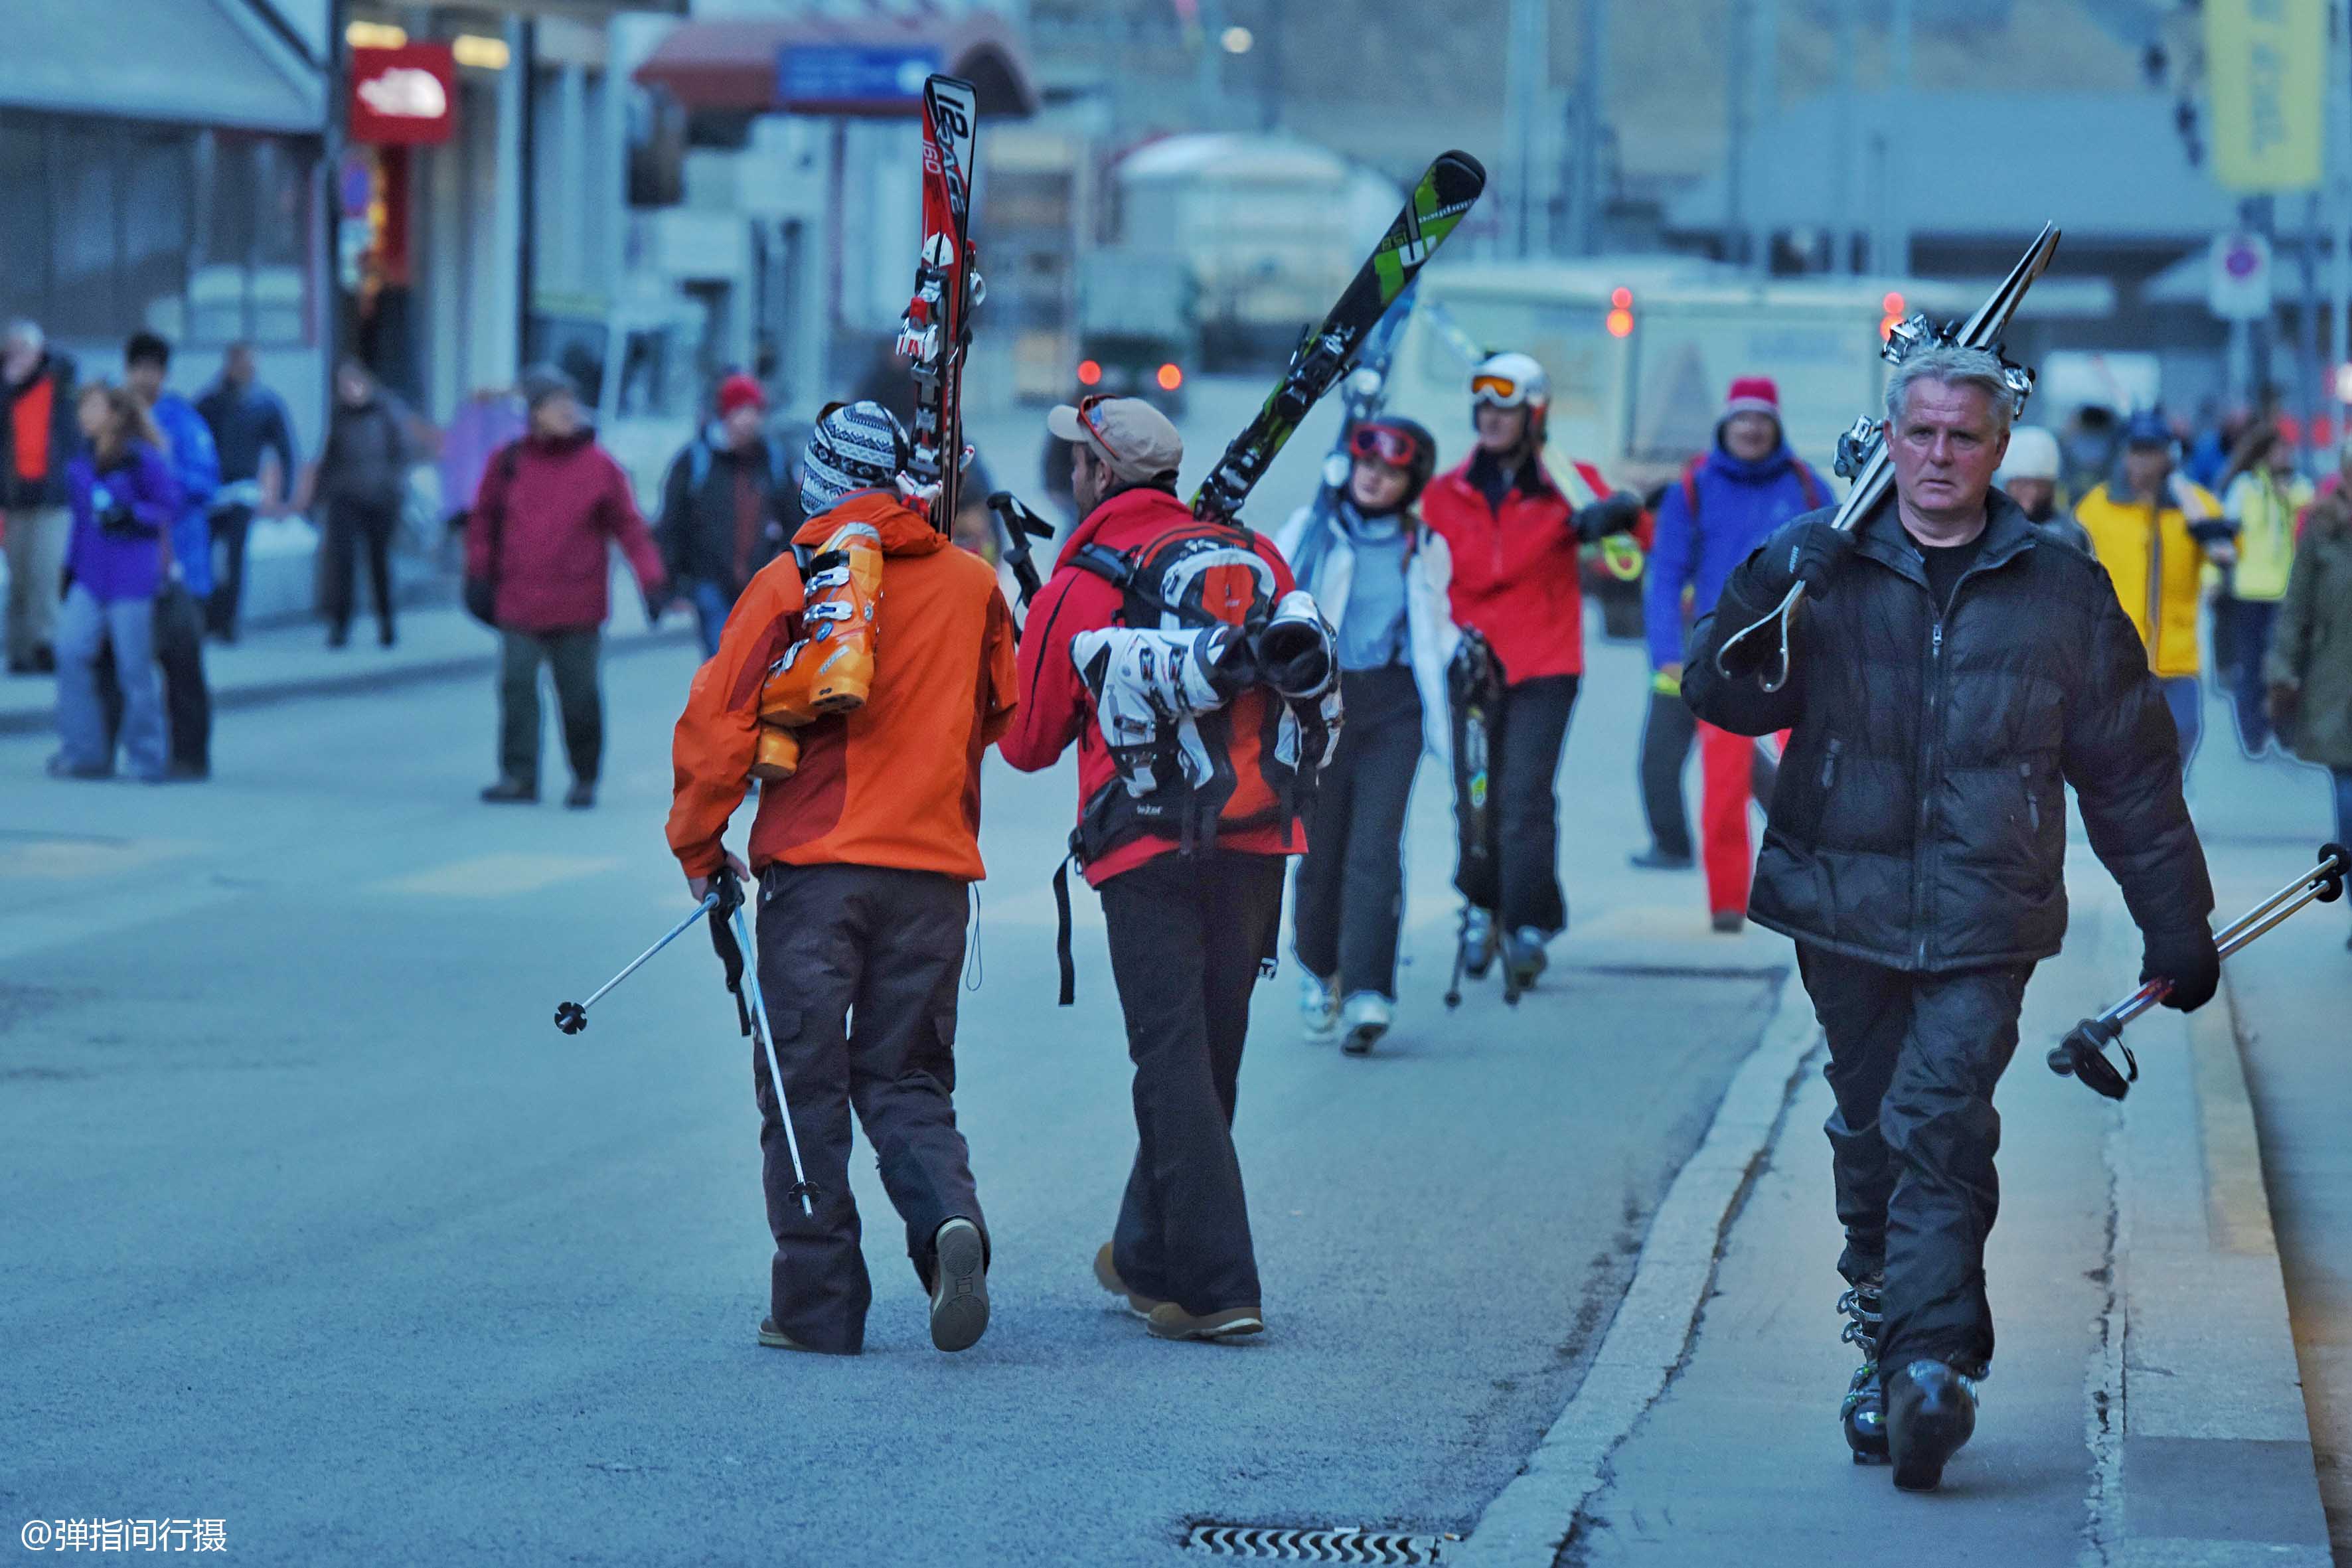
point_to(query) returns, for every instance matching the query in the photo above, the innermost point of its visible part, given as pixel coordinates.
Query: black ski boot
(1863, 1412)
(1931, 1413)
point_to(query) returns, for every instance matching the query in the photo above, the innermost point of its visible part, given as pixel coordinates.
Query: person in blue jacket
(1727, 503)
(188, 563)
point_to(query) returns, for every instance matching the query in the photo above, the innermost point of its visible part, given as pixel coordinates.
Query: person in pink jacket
(538, 536)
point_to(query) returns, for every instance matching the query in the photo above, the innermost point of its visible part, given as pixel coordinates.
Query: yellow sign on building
(2265, 61)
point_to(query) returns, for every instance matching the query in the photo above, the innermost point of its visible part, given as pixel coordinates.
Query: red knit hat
(740, 391)
(1752, 394)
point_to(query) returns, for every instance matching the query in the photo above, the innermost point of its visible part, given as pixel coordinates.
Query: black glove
(118, 521)
(2187, 959)
(1618, 513)
(657, 600)
(1810, 553)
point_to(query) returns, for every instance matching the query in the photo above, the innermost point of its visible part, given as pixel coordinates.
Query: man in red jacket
(1191, 922)
(1514, 534)
(539, 532)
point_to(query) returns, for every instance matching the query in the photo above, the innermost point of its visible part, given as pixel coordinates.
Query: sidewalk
(272, 664)
(2146, 1406)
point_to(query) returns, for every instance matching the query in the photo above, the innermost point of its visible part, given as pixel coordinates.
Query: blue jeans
(84, 626)
(2184, 695)
(2253, 619)
(710, 607)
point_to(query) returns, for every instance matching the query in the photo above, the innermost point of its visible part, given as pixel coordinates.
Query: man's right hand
(2188, 960)
(1810, 553)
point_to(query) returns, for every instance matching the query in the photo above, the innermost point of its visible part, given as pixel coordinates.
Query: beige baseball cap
(1134, 439)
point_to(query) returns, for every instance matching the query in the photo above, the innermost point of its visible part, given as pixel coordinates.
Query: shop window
(25, 237)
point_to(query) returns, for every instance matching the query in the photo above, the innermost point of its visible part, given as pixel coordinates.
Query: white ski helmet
(1511, 380)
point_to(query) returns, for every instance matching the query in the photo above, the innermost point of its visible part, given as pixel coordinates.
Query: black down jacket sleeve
(1739, 703)
(2122, 753)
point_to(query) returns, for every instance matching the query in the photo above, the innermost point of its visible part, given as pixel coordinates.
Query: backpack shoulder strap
(1690, 488)
(1809, 487)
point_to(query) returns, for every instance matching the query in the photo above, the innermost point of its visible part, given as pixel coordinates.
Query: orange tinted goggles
(1498, 390)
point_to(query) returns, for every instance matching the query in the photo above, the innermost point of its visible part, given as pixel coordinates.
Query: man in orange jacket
(863, 856)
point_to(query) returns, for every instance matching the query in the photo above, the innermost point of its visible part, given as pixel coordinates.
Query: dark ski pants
(1513, 868)
(1667, 731)
(573, 656)
(859, 966)
(187, 698)
(230, 527)
(1187, 936)
(1913, 1062)
(353, 531)
(1350, 896)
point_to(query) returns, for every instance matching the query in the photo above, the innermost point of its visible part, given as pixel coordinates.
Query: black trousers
(1187, 936)
(859, 966)
(1509, 843)
(1913, 1062)
(229, 526)
(1667, 733)
(573, 656)
(352, 531)
(1349, 899)
(187, 697)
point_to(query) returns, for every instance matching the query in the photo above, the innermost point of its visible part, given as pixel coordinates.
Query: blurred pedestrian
(730, 502)
(361, 480)
(1514, 538)
(866, 857)
(1669, 730)
(2029, 475)
(2091, 444)
(1380, 576)
(2262, 505)
(2309, 666)
(254, 437)
(124, 502)
(41, 439)
(1741, 492)
(1189, 875)
(187, 548)
(552, 505)
(1952, 673)
(2154, 532)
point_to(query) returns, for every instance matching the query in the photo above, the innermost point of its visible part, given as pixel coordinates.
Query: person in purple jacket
(1727, 503)
(123, 497)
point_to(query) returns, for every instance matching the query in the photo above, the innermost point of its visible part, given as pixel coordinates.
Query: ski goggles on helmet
(1384, 443)
(1500, 391)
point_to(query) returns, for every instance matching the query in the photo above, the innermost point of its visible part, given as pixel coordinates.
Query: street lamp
(1237, 40)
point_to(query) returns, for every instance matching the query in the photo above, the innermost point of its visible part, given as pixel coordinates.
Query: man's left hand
(700, 886)
(2188, 960)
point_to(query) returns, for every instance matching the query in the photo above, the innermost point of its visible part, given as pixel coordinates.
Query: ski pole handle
(572, 1016)
(1870, 487)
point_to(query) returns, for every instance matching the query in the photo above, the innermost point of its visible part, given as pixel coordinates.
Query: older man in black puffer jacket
(1951, 672)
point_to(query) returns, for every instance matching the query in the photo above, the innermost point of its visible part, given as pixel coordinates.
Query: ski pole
(2083, 1053)
(1862, 453)
(572, 1016)
(759, 1017)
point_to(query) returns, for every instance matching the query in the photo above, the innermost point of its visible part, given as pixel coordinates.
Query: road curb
(1528, 1520)
(361, 677)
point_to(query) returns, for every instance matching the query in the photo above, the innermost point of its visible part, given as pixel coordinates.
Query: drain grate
(1287, 1545)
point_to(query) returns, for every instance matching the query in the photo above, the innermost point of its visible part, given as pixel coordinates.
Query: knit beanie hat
(855, 447)
(1752, 394)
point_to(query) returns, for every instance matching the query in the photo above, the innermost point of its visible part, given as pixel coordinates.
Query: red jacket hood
(904, 530)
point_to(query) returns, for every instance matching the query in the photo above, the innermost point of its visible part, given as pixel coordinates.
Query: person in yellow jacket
(2263, 504)
(2155, 533)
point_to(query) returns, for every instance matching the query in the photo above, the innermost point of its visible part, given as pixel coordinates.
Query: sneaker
(580, 797)
(959, 1285)
(1477, 941)
(1729, 922)
(1319, 1007)
(511, 792)
(1931, 1413)
(1365, 1019)
(1170, 1321)
(1656, 860)
(1106, 1276)
(1524, 957)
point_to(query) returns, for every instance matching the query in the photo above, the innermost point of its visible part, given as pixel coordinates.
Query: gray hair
(27, 332)
(1976, 368)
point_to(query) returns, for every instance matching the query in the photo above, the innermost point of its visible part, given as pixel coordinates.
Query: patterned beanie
(855, 447)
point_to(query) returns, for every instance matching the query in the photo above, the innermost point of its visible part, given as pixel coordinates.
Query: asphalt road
(310, 1222)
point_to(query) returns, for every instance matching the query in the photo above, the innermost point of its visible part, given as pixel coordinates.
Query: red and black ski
(936, 332)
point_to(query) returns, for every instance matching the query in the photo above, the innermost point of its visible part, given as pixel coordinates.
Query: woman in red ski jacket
(1513, 535)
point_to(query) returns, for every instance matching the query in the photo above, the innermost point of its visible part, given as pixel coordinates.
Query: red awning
(735, 65)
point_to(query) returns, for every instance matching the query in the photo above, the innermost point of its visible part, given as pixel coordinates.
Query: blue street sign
(867, 75)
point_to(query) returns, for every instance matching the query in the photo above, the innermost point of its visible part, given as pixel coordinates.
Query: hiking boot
(776, 1339)
(1729, 922)
(1106, 1276)
(1170, 1321)
(1319, 1007)
(581, 796)
(1524, 957)
(1477, 941)
(1931, 1413)
(959, 1285)
(1364, 1020)
(1863, 1412)
(1656, 860)
(511, 792)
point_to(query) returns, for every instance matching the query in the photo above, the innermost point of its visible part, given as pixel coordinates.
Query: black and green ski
(1439, 202)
